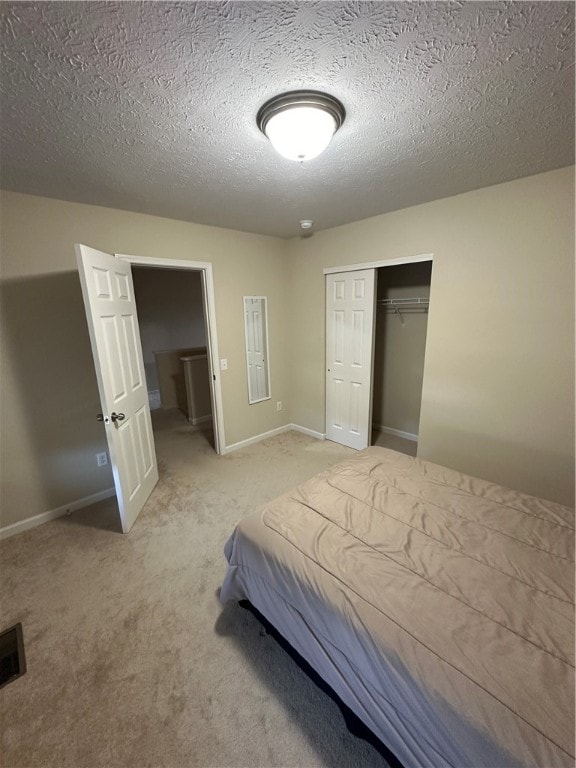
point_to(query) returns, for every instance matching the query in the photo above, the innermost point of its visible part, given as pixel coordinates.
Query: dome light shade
(300, 124)
(300, 133)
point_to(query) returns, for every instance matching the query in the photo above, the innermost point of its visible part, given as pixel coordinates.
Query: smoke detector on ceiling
(306, 224)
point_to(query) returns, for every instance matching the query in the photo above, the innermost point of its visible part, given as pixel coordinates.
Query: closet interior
(402, 301)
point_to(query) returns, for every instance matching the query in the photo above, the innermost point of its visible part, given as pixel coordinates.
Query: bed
(438, 607)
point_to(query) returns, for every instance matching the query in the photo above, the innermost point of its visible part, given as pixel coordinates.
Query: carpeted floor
(132, 660)
(395, 443)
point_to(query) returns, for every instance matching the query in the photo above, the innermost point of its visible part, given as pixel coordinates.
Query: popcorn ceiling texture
(151, 106)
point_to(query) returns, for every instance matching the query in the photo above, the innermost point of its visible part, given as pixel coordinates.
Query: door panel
(359, 288)
(338, 318)
(355, 404)
(350, 305)
(113, 325)
(339, 288)
(337, 386)
(357, 359)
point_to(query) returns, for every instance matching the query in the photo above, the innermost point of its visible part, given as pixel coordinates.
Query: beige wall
(400, 343)
(49, 434)
(498, 390)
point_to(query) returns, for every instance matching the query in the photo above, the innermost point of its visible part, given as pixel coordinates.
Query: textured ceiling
(151, 106)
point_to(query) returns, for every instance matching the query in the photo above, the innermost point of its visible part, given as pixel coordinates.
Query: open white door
(108, 294)
(350, 303)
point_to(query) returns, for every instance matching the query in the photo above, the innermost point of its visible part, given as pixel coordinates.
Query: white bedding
(439, 607)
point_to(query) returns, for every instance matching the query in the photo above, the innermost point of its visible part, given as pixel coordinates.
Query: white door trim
(205, 267)
(380, 263)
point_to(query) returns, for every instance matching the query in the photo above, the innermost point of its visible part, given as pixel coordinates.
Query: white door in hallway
(108, 294)
(350, 306)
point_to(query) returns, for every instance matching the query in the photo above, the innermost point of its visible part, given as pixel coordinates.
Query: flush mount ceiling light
(300, 124)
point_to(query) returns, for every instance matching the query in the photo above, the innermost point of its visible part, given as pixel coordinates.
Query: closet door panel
(350, 304)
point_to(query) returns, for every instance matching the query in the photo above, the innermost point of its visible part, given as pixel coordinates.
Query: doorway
(172, 325)
(401, 321)
(108, 293)
(204, 270)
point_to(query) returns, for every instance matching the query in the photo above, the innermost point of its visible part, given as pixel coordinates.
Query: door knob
(116, 417)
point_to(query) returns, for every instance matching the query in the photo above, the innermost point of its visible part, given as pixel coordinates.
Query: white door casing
(205, 269)
(350, 306)
(108, 293)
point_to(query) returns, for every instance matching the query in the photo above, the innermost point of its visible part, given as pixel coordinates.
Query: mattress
(439, 607)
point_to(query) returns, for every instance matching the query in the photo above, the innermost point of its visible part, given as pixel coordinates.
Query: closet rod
(406, 304)
(418, 301)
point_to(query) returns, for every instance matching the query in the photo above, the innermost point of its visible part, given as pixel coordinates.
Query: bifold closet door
(350, 305)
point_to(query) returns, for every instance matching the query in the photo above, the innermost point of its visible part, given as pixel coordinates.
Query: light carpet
(132, 660)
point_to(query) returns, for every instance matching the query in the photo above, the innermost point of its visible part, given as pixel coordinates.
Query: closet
(401, 319)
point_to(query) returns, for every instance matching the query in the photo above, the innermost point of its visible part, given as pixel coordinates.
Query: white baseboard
(397, 432)
(154, 399)
(200, 420)
(256, 438)
(310, 432)
(271, 433)
(43, 517)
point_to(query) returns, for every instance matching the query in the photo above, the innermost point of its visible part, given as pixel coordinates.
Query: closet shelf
(405, 304)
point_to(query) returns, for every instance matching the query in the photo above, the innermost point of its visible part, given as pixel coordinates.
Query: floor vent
(12, 659)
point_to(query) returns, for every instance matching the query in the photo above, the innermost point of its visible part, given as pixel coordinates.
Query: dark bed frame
(353, 723)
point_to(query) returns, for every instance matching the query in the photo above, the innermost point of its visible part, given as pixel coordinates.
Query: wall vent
(12, 659)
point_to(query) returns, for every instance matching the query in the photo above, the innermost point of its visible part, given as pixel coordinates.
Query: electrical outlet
(279, 405)
(102, 459)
